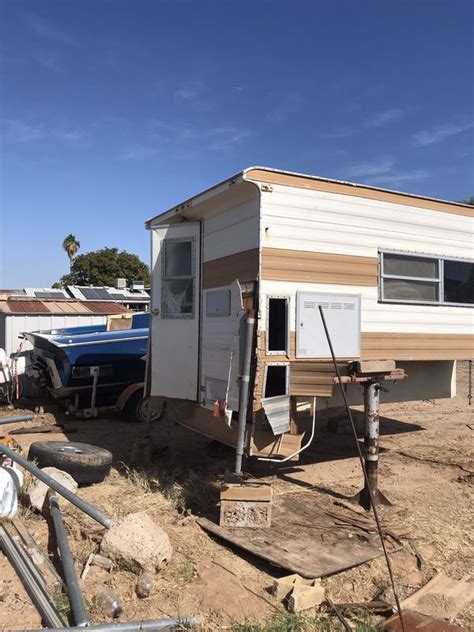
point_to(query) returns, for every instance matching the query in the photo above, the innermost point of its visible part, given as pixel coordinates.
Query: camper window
(177, 290)
(458, 281)
(411, 278)
(277, 325)
(276, 379)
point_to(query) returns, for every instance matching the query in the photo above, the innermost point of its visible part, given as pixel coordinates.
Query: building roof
(89, 293)
(307, 181)
(31, 306)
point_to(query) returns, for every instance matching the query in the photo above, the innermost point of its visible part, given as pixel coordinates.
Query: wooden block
(375, 366)
(305, 597)
(258, 492)
(241, 513)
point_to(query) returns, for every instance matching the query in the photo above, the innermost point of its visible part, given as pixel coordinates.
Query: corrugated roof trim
(36, 306)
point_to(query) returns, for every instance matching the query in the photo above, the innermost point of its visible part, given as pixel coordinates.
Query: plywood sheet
(303, 538)
(442, 597)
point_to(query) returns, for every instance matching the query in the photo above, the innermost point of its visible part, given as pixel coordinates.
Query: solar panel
(96, 293)
(88, 292)
(57, 294)
(102, 294)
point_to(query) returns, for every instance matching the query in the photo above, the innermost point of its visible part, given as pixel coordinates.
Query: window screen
(177, 290)
(407, 278)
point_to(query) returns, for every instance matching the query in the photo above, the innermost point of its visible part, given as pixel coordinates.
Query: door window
(177, 288)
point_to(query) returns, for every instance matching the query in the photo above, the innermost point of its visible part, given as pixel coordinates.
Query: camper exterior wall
(303, 221)
(231, 231)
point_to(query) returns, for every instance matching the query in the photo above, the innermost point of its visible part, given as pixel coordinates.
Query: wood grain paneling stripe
(242, 266)
(279, 264)
(356, 190)
(411, 346)
(311, 378)
(391, 346)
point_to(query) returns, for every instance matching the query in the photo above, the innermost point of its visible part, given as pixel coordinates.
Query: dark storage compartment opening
(278, 325)
(276, 380)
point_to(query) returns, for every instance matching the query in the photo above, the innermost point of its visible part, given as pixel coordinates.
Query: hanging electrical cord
(366, 478)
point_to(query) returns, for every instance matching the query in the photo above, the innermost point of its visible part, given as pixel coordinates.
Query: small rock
(41, 410)
(38, 490)
(138, 540)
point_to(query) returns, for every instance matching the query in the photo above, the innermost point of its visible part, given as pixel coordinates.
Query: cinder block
(246, 505)
(242, 513)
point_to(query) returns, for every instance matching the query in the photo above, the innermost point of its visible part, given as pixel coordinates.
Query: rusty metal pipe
(371, 439)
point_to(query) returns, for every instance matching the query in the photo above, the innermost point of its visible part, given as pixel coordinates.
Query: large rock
(37, 490)
(138, 540)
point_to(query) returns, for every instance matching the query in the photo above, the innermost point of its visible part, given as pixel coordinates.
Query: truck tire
(137, 408)
(86, 463)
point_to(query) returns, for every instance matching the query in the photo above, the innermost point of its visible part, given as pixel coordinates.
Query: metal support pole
(95, 378)
(244, 392)
(41, 601)
(75, 596)
(469, 390)
(151, 625)
(371, 445)
(81, 504)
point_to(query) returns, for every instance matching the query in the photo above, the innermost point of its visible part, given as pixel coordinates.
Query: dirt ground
(427, 465)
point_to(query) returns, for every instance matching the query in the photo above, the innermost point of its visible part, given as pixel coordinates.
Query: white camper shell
(394, 273)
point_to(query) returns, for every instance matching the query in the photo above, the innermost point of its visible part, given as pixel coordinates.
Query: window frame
(165, 278)
(279, 352)
(439, 280)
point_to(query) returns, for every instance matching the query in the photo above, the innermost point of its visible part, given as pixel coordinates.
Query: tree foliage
(470, 201)
(71, 246)
(103, 267)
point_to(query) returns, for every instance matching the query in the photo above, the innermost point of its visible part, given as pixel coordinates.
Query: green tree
(470, 201)
(71, 246)
(103, 267)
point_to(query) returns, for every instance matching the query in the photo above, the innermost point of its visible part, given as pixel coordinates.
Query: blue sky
(113, 111)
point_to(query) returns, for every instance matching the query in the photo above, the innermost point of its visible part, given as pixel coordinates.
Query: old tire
(87, 464)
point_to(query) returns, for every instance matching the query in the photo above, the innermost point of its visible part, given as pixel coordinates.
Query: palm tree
(71, 246)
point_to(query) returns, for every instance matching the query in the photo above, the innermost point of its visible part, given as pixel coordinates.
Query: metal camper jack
(371, 445)
(371, 374)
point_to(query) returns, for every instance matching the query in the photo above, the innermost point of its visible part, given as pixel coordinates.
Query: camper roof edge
(246, 175)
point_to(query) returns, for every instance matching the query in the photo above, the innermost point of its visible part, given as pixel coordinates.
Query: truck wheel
(137, 408)
(87, 464)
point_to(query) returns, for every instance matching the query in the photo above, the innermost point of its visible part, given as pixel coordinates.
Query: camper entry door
(175, 310)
